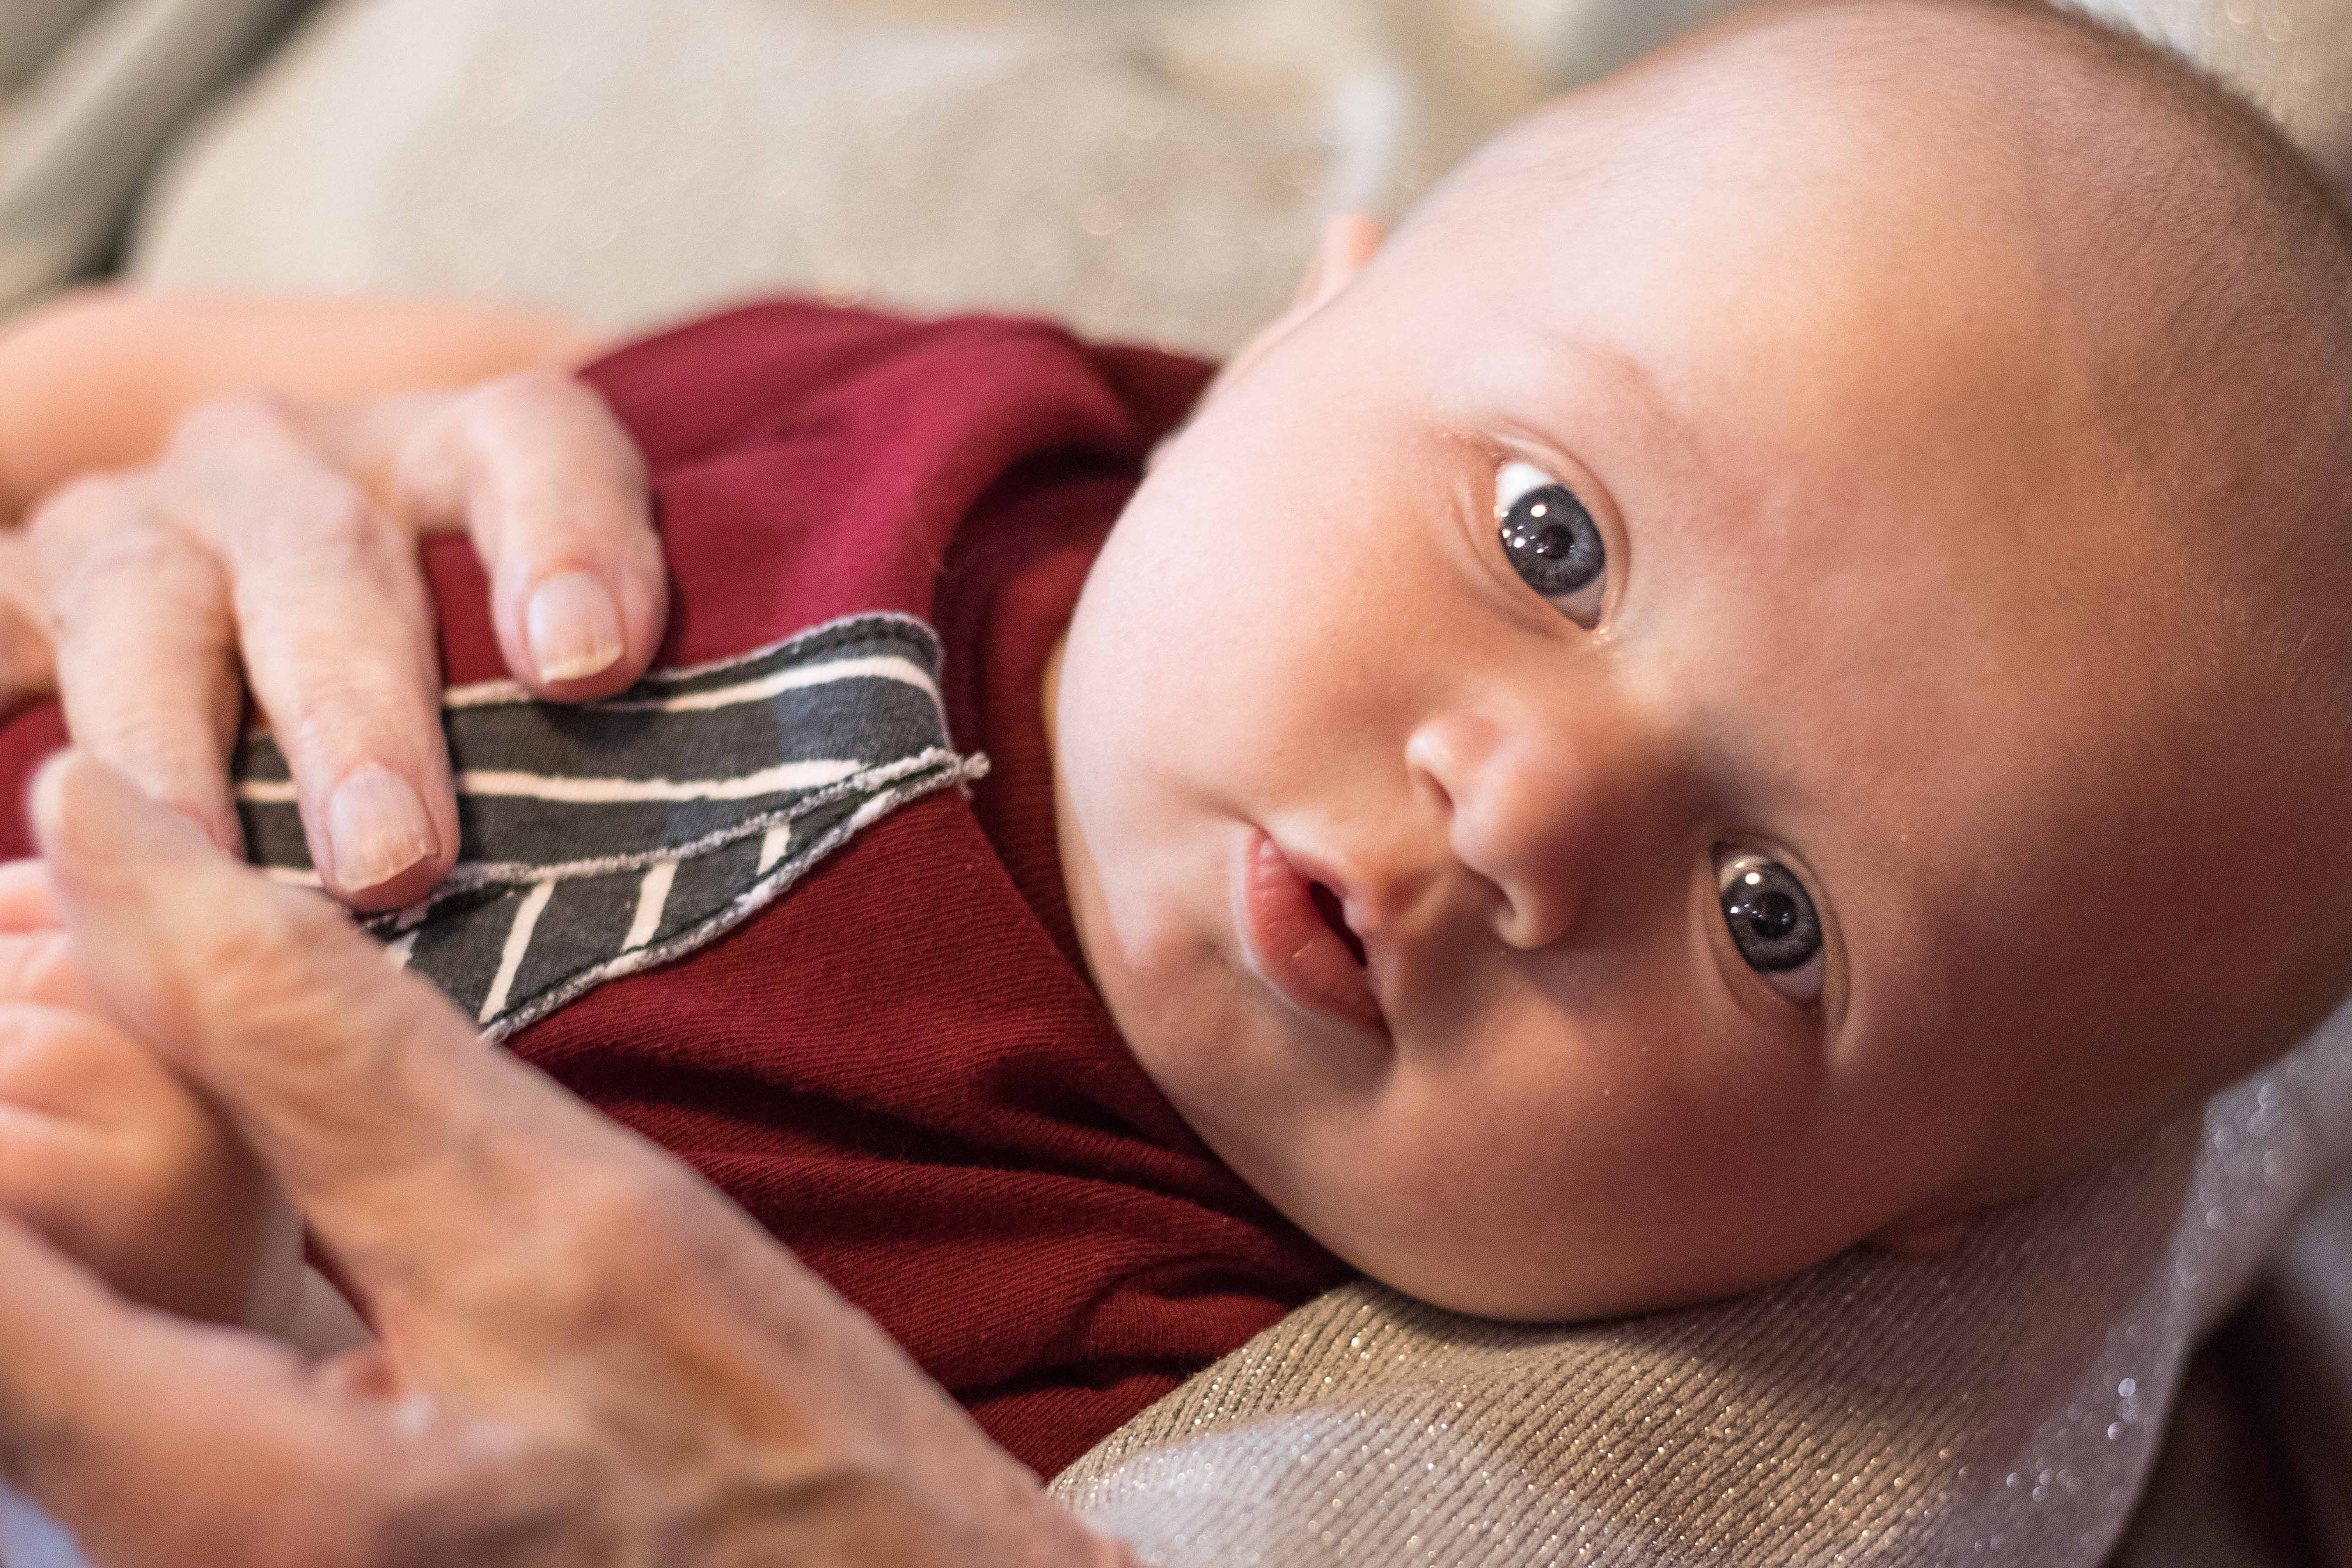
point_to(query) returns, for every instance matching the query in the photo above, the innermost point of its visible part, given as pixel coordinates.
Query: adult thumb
(338, 1069)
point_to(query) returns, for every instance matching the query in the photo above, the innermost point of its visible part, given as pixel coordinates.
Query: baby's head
(1772, 671)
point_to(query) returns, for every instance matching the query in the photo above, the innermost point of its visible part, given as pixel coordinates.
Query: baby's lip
(1289, 944)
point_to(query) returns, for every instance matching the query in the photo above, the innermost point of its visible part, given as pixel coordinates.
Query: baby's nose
(1535, 811)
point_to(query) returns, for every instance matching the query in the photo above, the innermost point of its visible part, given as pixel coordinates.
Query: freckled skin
(1882, 605)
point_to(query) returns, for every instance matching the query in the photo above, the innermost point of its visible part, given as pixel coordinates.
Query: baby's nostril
(1326, 904)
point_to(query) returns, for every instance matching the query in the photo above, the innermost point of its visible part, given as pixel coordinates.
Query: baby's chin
(1511, 1295)
(1539, 1281)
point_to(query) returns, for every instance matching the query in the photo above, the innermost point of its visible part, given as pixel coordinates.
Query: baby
(1770, 672)
(1796, 614)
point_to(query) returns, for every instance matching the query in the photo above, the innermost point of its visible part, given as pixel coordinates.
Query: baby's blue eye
(1773, 923)
(1550, 540)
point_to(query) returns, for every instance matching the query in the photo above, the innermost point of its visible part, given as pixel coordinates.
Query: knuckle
(138, 546)
(339, 711)
(135, 563)
(613, 1217)
(230, 421)
(252, 962)
(329, 559)
(244, 472)
(319, 519)
(263, 1010)
(516, 414)
(85, 494)
(61, 524)
(585, 1245)
(521, 394)
(156, 744)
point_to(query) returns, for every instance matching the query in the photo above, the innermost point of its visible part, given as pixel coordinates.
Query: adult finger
(554, 493)
(337, 634)
(145, 659)
(369, 1095)
(163, 1443)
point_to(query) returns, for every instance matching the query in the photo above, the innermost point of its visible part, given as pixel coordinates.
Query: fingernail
(377, 829)
(574, 628)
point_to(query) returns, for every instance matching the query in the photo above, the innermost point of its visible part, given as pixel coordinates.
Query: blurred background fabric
(1145, 169)
(1155, 169)
(90, 93)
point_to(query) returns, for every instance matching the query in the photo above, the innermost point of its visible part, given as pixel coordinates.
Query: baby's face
(1609, 763)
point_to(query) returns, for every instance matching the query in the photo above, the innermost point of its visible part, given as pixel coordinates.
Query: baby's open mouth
(1326, 904)
(1295, 931)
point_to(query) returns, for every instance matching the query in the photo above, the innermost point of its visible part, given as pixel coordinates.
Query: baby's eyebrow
(1667, 437)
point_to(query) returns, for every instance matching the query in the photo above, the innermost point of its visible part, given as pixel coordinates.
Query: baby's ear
(1345, 248)
(1923, 1238)
(1348, 243)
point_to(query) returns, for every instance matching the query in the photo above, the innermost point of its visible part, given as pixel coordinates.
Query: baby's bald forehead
(1970, 172)
(2102, 157)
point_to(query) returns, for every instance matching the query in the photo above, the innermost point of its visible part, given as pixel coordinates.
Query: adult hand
(274, 544)
(588, 1357)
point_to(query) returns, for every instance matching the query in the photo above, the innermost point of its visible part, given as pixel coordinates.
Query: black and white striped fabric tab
(601, 839)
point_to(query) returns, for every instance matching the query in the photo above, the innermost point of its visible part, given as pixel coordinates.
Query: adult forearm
(97, 379)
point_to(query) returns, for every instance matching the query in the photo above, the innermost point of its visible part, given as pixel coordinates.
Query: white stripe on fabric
(526, 921)
(653, 897)
(485, 694)
(776, 780)
(294, 876)
(773, 845)
(872, 807)
(870, 666)
(398, 951)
